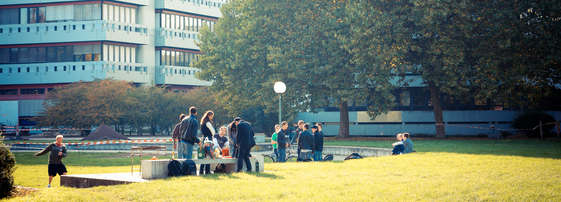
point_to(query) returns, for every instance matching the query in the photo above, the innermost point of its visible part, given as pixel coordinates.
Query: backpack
(189, 167)
(220, 168)
(353, 156)
(328, 157)
(174, 168)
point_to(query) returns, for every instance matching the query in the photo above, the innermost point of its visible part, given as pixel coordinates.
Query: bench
(158, 169)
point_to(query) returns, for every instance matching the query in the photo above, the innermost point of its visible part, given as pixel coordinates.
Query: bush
(7, 163)
(531, 119)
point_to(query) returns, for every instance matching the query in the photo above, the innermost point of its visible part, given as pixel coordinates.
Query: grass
(441, 170)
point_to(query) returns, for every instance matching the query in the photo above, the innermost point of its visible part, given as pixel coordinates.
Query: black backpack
(328, 157)
(174, 168)
(220, 168)
(353, 156)
(189, 167)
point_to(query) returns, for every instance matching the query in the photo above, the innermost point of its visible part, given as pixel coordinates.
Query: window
(8, 91)
(9, 16)
(28, 70)
(33, 91)
(4, 55)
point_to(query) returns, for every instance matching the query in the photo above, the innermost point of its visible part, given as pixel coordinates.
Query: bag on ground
(353, 156)
(189, 167)
(220, 168)
(328, 157)
(174, 168)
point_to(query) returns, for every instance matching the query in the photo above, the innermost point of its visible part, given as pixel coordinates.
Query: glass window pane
(110, 53)
(128, 15)
(122, 54)
(110, 12)
(96, 11)
(177, 22)
(68, 54)
(181, 23)
(133, 55)
(32, 15)
(168, 23)
(51, 54)
(41, 17)
(172, 19)
(23, 53)
(14, 54)
(4, 55)
(168, 59)
(116, 14)
(172, 58)
(122, 14)
(87, 12)
(162, 57)
(127, 54)
(133, 15)
(162, 20)
(32, 55)
(105, 11)
(42, 54)
(105, 52)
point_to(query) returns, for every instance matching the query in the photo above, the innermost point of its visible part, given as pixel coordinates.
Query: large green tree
(478, 47)
(301, 43)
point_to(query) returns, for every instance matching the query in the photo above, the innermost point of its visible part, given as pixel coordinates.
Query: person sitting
(398, 146)
(305, 143)
(407, 143)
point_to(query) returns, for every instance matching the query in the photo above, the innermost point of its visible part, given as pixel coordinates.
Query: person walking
(208, 131)
(58, 151)
(245, 143)
(188, 130)
(282, 143)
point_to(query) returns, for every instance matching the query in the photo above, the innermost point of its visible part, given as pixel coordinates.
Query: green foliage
(531, 119)
(7, 163)
(260, 121)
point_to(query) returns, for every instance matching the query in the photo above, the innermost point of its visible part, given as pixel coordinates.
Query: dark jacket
(306, 140)
(245, 135)
(318, 141)
(54, 158)
(220, 140)
(281, 139)
(188, 129)
(206, 131)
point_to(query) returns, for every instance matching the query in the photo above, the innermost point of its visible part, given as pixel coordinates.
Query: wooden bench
(158, 169)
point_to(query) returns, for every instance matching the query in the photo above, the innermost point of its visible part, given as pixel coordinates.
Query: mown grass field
(441, 170)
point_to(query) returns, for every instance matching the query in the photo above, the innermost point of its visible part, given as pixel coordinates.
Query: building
(47, 43)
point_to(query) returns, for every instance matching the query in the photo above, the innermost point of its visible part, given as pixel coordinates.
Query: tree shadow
(217, 176)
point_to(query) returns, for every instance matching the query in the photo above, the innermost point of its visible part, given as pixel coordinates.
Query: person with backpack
(175, 135)
(58, 151)
(188, 130)
(245, 142)
(318, 144)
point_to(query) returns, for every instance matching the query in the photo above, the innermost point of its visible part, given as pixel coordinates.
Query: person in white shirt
(208, 131)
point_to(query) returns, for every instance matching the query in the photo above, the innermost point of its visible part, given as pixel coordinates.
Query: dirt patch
(104, 132)
(23, 191)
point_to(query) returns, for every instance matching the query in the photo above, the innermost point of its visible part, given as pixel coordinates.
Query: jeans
(398, 149)
(317, 156)
(282, 155)
(206, 168)
(276, 154)
(185, 150)
(243, 154)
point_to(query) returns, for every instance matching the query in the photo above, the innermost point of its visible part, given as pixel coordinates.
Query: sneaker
(49, 186)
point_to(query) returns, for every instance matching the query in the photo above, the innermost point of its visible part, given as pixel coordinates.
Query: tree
(259, 42)
(205, 100)
(85, 104)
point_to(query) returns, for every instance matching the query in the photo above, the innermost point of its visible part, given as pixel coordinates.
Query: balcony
(68, 72)
(176, 38)
(200, 7)
(14, 2)
(82, 31)
(175, 75)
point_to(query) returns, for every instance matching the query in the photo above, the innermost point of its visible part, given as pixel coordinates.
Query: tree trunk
(437, 108)
(344, 120)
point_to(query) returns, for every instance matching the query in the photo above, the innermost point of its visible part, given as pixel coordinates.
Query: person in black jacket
(305, 143)
(281, 141)
(245, 142)
(188, 131)
(318, 143)
(207, 130)
(58, 151)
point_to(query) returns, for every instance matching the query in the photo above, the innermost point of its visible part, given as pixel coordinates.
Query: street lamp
(280, 88)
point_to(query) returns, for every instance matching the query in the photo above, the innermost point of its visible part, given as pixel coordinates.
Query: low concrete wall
(126, 147)
(362, 151)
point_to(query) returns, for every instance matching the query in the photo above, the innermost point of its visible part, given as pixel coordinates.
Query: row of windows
(9, 16)
(82, 12)
(72, 53)
(184, 22)
(28, 91)
(119, 13)
(36, 69)
(177, 58)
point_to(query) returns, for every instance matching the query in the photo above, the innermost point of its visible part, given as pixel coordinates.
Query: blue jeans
(243, 155)
(276, 152)
(185, 150)
(398, 149)
(317, 156)
(282, 155)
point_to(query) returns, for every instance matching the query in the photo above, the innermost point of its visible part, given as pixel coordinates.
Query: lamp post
(279, 88)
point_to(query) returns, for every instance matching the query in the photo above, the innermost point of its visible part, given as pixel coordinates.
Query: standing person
(188, 130)
(175, 136)
(58, 151)
(274, 141)
(407, 143)
(233, 135)
(318, 143)
(245, 143)
(305, 143)
(281, 141)
(208, 131)
(320, 127)
(298, 132)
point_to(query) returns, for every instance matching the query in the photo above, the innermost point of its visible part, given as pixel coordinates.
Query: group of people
(309, 143)
(238, 136)
(404, 144)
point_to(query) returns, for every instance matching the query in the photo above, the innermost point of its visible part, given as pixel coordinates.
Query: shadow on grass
(524, 148)
(256, 174)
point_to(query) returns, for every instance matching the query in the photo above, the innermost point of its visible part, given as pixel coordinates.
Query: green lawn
(441, 170)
